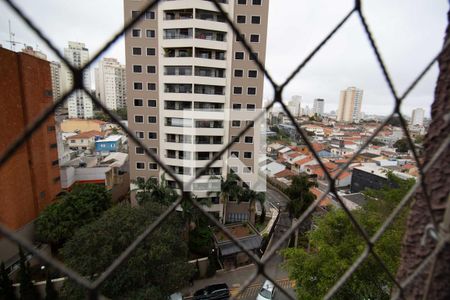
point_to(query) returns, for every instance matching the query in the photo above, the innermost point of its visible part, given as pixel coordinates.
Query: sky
(409, 34)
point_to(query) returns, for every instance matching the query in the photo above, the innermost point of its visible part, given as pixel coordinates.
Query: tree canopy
(158, 264)
(402, 145)
(299, 194)
(58, 222)
(335, 244)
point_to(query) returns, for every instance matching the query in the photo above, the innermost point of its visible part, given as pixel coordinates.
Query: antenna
(12, 40)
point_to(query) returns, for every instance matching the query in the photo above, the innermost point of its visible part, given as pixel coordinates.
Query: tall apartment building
(192, 87)
(294, 105)
(417, 116)
(79, 104)
(350, 102)
(110, 85)
(30, 180)
(319, 106)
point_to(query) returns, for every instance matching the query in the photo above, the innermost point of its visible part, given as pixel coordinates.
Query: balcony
(210, 35)
(209, 54)
(179, 33)
(208, 124)
(208, 140)
(178, 71)
(208, 106)
(210, 72)
(178, 138)
(177, 105)
(181, 14)
(209, 89)
(178, 88)
(207, 15)
(177, 52)
(209, 172)
(178, 122)
(205, 156)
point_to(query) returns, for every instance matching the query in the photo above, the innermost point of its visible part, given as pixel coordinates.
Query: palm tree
(151, 190)
(229, 190)
(190, 213)
(253, 197)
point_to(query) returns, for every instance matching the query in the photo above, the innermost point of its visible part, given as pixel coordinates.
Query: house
(112, 143)
(273, 168)
(299, 166)
(85, 140)
(373, 177)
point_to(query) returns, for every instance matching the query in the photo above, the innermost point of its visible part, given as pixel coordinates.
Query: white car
(267, 291)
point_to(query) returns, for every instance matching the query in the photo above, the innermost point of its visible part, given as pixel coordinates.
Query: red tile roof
(87, 134)
(285, 173)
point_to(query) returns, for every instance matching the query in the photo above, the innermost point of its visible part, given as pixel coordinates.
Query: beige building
(350, 102)
(192, 86)
(110, 83)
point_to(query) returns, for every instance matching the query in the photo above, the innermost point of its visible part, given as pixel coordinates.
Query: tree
(336, 244)
(402, 145)
(229, 189)
(300, 195)
(151, 191)
(6, 287)
(159, 262)
(50, 292)
(58, 222)
(253, 197)
(27, 290)
(121, 113)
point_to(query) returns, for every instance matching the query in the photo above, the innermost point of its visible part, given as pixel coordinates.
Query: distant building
(110, 86)
(78, 103)
(350, 102)
(417, 116)
(36, 53)
(371, 176)
(112, 143)
(319, 106)
(295, 105)
(30, 179)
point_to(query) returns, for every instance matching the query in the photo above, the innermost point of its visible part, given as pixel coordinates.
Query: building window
(137, 69)
(151, 51)
(151, 103)
(153, 150)
(153, 166)
(235, 139)
(138, 102)
(53, 146)
(237, 90)
(247, 170)
(238, 73)
(151, 69)
(254, 38)
(150, 33)
(138, 119)
(242, 2)
(137, 51)
(139, 150)
(235, 123)
(150, 15)
(256, 2)
(252, 73)
(152, 135)
(135, 14)
(237, 106)
(251, 122)
(248, 154)
(240, 38)
(248, 140)
(235, 154)
(139, 134)
(140, 165)
(137, 86)
(234, 169)
(256, 20)
(239, 55)
(240, 19)
(136, 33)
(253, 56)
(251, 107)
(151, 86)
(251, 91)
(151, 119)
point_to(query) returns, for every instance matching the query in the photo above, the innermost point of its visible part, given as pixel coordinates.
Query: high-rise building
(191, 87)
(294, 105)
(110, 83)
(319, 106)
(417, 116)
(29, 180)
(350, 102)
(78, 103)
(36, 53)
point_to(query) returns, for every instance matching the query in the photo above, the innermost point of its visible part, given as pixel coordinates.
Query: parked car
(175, 296)
(267, 291)
(213, 292)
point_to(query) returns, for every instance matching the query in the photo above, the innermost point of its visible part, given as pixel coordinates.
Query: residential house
(85, 140)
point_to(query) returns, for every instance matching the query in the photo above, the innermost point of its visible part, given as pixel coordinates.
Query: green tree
(151, 191)
(335, 244)
(159, 262)
(253, 197)
(300, 195)
(58, 222)
(6, 287)
(50, 292)
(121, 113)
(229, 189)
(402, 145)
(100, 115)
(27, 290)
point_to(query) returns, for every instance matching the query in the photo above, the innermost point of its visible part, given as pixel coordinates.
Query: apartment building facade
(350, 103)
(192, 87)
(110, 86)
(79, 104)
(319, 106)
